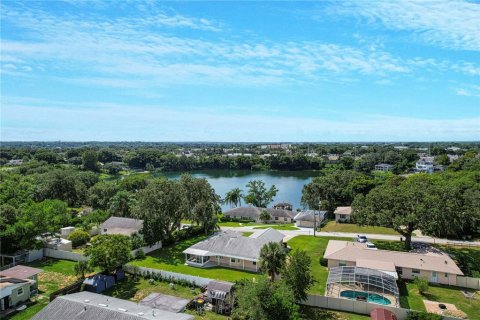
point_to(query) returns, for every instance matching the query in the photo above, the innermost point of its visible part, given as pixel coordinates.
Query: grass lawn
(172, 259)
(332, 226)
(246, 233)
(56, 274)
(315, 247)
(414, 300)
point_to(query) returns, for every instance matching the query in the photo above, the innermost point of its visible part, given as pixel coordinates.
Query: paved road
(309, 232)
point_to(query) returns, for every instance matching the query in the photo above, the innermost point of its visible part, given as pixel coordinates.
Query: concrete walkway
(309, 232)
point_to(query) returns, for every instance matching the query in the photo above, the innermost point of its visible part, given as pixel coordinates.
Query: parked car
(370, 246)
(361, 238)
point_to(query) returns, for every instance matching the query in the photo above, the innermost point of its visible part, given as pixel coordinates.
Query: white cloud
(468, 91)
(445, 23)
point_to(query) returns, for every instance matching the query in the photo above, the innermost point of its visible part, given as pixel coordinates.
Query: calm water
(288, 183)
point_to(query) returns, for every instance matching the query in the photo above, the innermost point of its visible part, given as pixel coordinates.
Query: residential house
(253, 213)
(283, 206)
(14, 292)
(384, 167)
(24, 273)
(15, 162)
(435, 267)
(343, 214)
(118, 225)
(230, 249)
(87, 305)
(425, 165)
(310, 218)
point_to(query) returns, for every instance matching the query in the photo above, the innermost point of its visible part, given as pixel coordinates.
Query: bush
(79, 237)
(422, 285)
(229, 219)
(140, 254)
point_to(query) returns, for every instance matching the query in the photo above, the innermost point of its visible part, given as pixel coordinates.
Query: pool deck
(336, 289)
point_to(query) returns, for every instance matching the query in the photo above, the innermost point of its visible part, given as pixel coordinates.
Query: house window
(20, 291)
(219, 257)
(232, 260)
(446, 275)
(342, 264)
(284, 219)
(104, 230)
(399, 270)
(415, 271)
(254, 263)
(342, 216)
(276, 218)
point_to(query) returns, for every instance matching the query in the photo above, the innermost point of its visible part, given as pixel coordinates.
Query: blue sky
(240, 71)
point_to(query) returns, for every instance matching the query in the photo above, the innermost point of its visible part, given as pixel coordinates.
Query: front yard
(172, 259)
(56, 274)
(333, 226)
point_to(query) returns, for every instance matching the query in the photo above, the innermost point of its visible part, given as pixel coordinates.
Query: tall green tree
(90, 160)
(161, 205)
(234, 197)
(258, 195)
(297, 274)
(265, 300)
(272, 259)
(109, 251)
(81, 268)
(121, 204)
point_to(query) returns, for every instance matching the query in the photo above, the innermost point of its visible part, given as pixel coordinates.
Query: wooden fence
(74, 287)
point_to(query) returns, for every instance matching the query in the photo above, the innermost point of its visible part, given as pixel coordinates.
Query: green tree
(90, 160)
(109, 251)
(442, 159)
(121, 204)
(272, 259)
(422, 285)
(297, 274)
(258, 195)
(234, 197)
(265, 300)
(265, 216)
(161, 205)
(81, 268)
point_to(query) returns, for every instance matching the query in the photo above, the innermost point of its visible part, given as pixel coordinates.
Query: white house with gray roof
(253, 213)
(119, 225)
(230, 249)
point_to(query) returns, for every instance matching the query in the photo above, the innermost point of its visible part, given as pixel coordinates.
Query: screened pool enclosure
(363, 284)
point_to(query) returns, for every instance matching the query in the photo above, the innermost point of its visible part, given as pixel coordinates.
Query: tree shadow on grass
(124, 289)
(403, 291)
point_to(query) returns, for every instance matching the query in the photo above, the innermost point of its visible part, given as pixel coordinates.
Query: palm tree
(234, 197)
(272, 259)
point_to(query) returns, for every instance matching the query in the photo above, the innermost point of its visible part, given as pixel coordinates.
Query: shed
(99, 283)
(218, 293)
(382, 314)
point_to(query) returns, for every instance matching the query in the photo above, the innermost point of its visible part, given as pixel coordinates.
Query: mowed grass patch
(446, 294)
(315, 248)
(333, 226)
(278, 227)
(172, 258)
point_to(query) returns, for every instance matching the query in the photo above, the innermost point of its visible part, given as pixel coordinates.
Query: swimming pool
(369, 297)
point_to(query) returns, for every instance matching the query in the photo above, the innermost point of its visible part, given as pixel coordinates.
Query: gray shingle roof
(118, 225)
(308, 215)
(254, 212)
(87, 305)
(232, 244)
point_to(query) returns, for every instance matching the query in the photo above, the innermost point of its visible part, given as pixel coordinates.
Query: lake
(288, 183)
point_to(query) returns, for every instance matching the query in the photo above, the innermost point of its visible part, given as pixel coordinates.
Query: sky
(323, 71)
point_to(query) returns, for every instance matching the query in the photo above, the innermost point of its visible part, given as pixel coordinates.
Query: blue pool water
(371, 297)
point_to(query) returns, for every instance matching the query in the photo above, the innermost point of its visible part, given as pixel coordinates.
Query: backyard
(56, 274)
(172, 258)
(255, 225)
(412, 299)
(333, 226)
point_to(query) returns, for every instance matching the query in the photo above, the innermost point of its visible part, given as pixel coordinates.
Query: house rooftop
(119, 225)
(232, 244)
(87, 305)
(310, 215)
(165, 302)
(356, 252)
(20, 272)
(343, 210)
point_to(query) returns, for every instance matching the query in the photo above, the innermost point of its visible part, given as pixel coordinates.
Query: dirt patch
(443, 308)
(51, 281)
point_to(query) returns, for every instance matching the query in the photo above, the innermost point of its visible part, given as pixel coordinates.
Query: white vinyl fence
(197, 281)
(468, 282)
(148, 249)
(34, 255)
(347, 305)
(65, 255)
